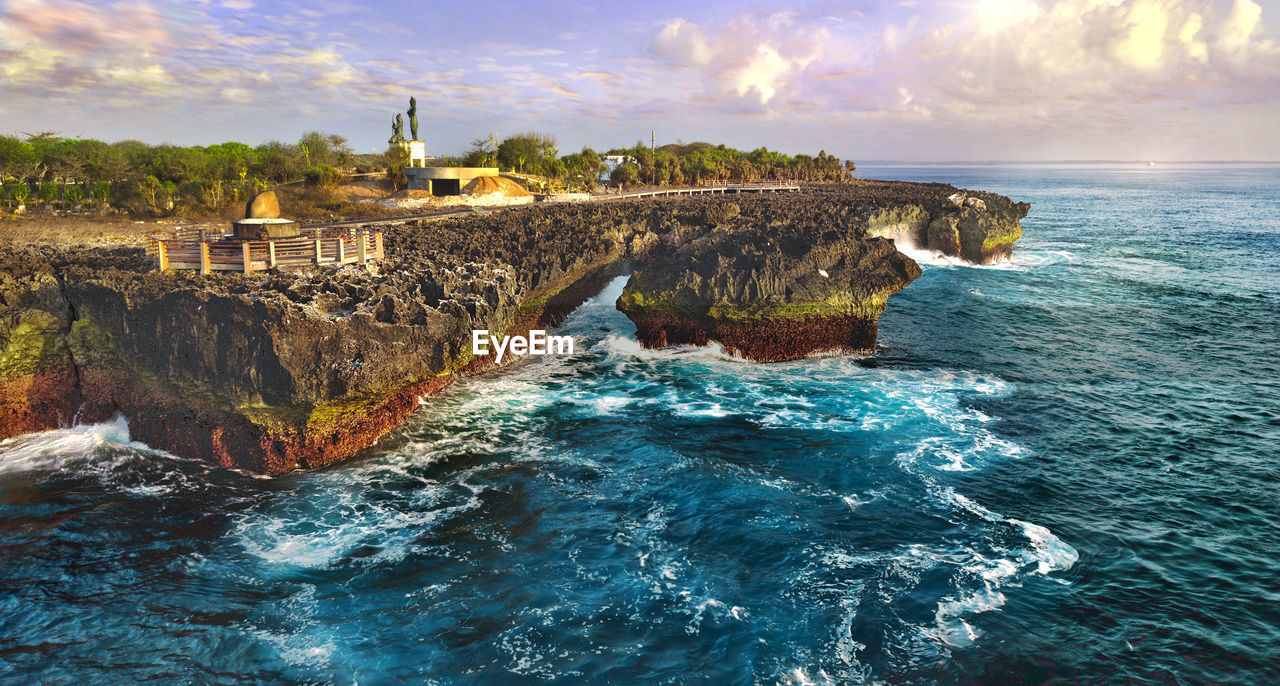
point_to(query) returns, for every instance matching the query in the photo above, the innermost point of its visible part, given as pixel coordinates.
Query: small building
(445, 180)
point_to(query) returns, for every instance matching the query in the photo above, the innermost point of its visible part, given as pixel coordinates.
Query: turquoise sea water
(1061, 468)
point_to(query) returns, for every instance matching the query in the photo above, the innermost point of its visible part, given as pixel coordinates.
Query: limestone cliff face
(767, 295)
(977, 227)
(812, 273)
(37, 375)
(265, 373)
(279, 370)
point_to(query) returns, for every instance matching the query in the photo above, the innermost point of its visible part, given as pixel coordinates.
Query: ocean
(1061, 468)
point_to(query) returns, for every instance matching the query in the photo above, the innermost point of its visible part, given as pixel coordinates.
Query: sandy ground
(85, 230)
(372, 196)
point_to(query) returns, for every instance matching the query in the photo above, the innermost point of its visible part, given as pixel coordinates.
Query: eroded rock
(264, 205)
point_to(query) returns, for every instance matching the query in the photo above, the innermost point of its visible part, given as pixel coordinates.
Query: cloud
(914, 68)
(604, 78)
(750, 57)
(1105, 50)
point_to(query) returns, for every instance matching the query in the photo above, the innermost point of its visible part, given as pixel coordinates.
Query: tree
(480, 153)
(18, 160)
(625, 174)
(279, 162)
(325, 148)
(582, 168)
(396, 159)
(529, 148)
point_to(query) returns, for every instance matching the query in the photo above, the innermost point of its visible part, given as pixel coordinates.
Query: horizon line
(999, 162)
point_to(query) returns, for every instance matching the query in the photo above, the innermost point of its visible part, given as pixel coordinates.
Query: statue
(413, 117)
(397, 129)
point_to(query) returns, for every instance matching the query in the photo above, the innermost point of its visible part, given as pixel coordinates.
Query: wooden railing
(750, 187)
(213, 251)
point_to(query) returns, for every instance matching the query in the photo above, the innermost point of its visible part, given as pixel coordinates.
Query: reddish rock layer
(761, 340)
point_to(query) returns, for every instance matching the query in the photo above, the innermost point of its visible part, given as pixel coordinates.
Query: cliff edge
(284, 369)
(808, 274)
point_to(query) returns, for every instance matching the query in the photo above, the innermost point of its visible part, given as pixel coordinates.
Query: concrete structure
(417, 152)
(265, 228)
(445, 180)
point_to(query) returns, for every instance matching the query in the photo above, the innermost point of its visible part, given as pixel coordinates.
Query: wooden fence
(704, 190)
(214, 251)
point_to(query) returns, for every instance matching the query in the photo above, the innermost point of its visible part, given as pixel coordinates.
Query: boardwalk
(704, 190)
(211, 251)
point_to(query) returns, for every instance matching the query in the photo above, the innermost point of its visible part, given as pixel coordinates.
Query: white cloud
(1240, 26)
(997, 15)
(1094, 54)
(750, 57)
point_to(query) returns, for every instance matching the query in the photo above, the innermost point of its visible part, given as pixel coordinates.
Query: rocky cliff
(279, 370)
(768, 293)
(977, 227)
(810, 273)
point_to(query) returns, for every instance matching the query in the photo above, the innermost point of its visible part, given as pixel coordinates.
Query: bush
(75, 194)
(626, 174)
(21, 193)
(324, 176)
(396, 159)
(48, 192)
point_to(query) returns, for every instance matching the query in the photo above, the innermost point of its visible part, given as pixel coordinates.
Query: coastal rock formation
(277, 370)
(779, 282)
(38, 379)
(767, 296)
(978, 227)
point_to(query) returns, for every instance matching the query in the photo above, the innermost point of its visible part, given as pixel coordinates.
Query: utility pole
(653, 155)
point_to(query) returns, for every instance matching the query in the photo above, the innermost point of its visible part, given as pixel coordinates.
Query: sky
(912, 80)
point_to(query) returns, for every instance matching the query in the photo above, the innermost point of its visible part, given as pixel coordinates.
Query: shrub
(213, 195)
(102, 192)
(75, 194)
(48, 192)
(21, 193)
(324, 176)
(397, 158)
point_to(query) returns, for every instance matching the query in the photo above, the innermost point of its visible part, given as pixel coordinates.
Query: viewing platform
(207, 250)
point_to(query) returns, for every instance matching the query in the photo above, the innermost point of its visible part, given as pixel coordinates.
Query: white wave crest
(104, 452)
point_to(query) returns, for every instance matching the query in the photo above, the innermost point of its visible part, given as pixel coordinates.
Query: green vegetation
(676, 164)
(147, 179)
(33, 342)
(699, 163)
(837, 306)
(158, 180)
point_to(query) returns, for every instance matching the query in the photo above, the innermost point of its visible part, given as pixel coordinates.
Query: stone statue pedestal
(417, 152)
(266, 228)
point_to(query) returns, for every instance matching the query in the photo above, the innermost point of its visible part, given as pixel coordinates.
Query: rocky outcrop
(38, 378)
(765, 296)
(276, 370)
(977, 227)
(279, 370)
(772, 285)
